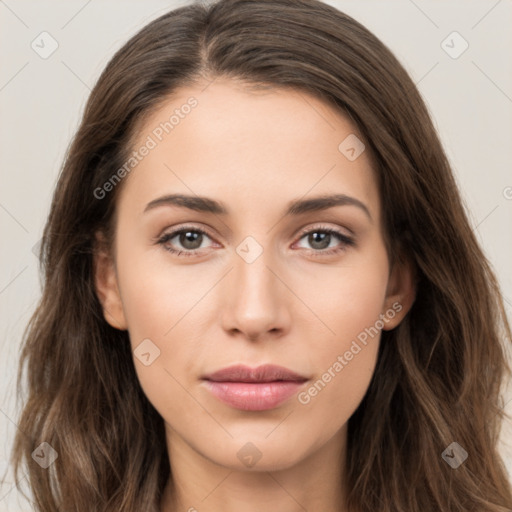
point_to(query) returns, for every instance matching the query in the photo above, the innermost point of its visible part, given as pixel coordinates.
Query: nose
(256, 305)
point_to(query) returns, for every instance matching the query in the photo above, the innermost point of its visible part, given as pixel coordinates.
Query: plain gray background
(41, 100)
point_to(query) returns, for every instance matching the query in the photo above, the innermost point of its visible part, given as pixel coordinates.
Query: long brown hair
(438, 374)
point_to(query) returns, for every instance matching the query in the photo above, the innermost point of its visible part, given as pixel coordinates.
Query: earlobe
(105, 282)
(400, 294)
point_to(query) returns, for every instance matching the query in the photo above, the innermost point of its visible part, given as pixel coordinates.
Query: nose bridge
(252, 276)
(255, 300)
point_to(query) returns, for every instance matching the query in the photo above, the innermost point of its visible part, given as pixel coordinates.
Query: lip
(263, 373)
(254, 389)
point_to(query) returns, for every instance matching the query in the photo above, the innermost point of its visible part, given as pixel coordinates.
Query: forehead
(252, 149)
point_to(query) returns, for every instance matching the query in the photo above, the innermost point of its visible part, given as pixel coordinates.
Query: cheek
(163, 307)
(351, 305)
(345, 299)
(156, 293)
(345, 366)
(333, 397)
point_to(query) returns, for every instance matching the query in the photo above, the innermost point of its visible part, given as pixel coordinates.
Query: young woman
(261, 287)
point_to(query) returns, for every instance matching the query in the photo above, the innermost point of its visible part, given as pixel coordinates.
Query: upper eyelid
(301, 232)
(176, 231)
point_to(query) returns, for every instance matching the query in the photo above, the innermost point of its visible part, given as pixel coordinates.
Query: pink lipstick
(254, 389)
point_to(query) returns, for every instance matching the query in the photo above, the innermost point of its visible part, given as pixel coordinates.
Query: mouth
(254, 389)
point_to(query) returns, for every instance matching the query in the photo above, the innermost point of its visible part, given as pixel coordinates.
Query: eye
(191, 239)
(320, 239)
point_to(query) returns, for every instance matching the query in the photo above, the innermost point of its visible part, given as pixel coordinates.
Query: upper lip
(264, 373)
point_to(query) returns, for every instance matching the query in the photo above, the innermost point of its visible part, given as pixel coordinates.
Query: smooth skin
(294, 305)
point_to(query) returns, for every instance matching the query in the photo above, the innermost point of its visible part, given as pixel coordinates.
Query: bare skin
(293, 305)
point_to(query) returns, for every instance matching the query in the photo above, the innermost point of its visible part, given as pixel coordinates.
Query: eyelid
(191, 227)
(302, 231)
(344, 239)
(321, 226)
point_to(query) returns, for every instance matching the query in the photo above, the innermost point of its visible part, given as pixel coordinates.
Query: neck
(314, 483)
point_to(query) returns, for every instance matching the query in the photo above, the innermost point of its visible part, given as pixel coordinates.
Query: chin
(256, 453)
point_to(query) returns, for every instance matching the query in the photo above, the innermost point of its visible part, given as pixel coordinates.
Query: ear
(400, 293)
(105, 282)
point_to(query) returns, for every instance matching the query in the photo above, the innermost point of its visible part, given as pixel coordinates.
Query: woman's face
(259, 280)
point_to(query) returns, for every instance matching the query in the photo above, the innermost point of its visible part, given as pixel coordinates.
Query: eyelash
(344, 239)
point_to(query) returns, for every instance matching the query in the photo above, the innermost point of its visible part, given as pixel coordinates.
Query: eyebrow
(296, 207)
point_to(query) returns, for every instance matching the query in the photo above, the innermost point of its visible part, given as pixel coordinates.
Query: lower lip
(253, 396)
